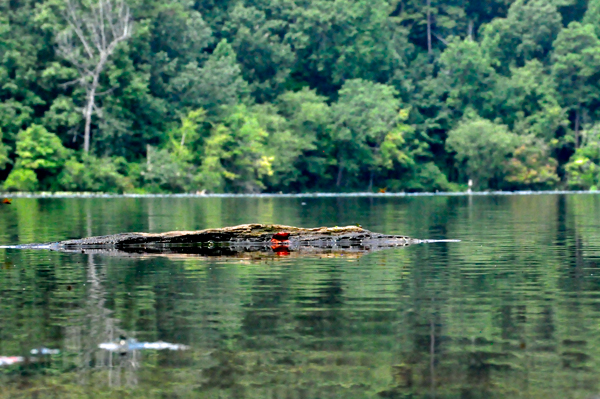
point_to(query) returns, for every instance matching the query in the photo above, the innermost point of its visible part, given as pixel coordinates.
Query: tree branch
(441, 39)
(99, 28)
(75, 23)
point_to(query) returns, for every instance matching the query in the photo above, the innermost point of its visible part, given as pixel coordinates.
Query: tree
(592, 15)
(142, 109)
(527, 102)
(98, 27)
(364, 116)
(23, 91)
(95, 174)
(183, 139)
(308, 162)
(525, 34)
(40, 157)
(431, 22)
(165, 171)
(531, 167)
(583, 169)
(266, 60)
(173, 42)
(235, 158)
(338, 40)
(576, 69)
(214, 87)
(467, 76)
(295, 124)
(482, 150)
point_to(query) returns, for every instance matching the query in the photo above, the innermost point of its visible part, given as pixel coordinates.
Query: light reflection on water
(512, 311)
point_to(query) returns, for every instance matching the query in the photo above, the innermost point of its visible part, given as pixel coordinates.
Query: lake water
(511, 311)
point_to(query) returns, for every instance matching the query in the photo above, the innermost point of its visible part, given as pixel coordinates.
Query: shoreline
(60, 194)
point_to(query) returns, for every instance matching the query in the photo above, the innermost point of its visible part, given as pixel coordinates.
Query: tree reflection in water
(92, 325)
(512, 311)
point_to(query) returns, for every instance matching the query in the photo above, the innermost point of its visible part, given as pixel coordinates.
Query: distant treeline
(299, 95)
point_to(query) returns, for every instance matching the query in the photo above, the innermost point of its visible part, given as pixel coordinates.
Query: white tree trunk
(89, 110)
(99, 28)
(429, 49)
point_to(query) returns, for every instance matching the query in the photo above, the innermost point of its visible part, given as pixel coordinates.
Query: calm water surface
(512, 311)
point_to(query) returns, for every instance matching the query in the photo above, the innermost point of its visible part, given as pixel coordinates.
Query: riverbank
(67, 194)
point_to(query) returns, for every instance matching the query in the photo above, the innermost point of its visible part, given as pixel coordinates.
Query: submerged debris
(10, 360)
(128, 345)
(44, 351)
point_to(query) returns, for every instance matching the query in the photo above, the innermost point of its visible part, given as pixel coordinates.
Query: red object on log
(281, 236)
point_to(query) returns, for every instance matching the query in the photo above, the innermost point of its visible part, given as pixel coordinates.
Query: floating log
(228, 241)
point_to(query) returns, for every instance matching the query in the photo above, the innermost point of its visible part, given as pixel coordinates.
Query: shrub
(21, 179)
(95, 174)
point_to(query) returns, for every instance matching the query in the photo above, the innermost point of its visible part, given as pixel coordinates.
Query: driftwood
(233, 241)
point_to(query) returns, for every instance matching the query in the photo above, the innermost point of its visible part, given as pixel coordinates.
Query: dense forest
(298, 95)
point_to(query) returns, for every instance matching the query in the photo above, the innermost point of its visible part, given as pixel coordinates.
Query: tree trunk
(370, 181)
(89, 108)
(339, 176)
(470, 30)
(577, 127)
(429, 50)
(100, 27)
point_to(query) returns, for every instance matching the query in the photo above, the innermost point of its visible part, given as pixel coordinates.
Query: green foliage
(183, 139)
(525, 34)
(448, 18)
(165, 171)
(266, 60)
(592, 15)
(421, 177)
(218, 84)
(322, 85)
(583, 169)
(365, 118)
(303, 155)
(576, 64)
(21, 179)
(531, 167)
(40, 154)
(483, 149)
(467, 75)
(38, 149)
(234, 157)
(330, 49)
(284, 146)
(62, 115)
(4, 159)
(21, 90)
(528, 101)
(95, 174)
